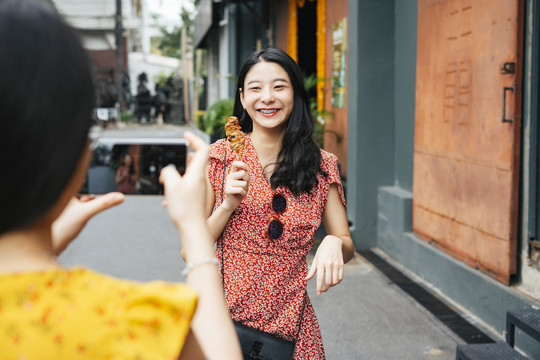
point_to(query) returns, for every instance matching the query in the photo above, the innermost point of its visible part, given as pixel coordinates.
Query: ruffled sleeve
(158, 317)
(329, 163)
(218, 153)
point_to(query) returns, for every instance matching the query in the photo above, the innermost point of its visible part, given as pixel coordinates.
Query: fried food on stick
(235, 135)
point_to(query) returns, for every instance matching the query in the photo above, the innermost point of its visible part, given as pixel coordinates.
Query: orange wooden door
(466, 158)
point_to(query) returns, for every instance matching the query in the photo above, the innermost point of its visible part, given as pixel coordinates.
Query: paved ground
(365, 317)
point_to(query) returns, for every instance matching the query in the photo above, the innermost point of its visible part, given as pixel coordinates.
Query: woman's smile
(268, 112)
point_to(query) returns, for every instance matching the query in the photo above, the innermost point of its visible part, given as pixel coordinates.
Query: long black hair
(46, 99)
(299, 160)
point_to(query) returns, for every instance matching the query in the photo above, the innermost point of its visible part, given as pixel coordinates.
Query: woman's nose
(267, 95)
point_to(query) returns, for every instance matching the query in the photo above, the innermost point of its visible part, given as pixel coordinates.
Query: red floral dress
(264, 278)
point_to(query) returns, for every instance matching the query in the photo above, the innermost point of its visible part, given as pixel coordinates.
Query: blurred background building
(143, 24)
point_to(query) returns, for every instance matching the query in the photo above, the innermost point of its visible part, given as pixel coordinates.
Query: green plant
(161, 78)
(198, 115)
(126, 116)
(215, 117)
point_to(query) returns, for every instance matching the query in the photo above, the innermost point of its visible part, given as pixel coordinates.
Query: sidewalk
(369, 317)
(366, 317)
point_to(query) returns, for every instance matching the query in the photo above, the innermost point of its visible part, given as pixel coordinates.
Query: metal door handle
(504, 119)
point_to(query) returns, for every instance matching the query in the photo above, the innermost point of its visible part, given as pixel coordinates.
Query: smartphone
(132, 165)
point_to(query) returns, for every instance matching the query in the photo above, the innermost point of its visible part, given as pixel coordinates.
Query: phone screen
(133, 165)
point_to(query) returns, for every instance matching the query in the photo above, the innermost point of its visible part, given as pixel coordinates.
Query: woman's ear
(241, 97)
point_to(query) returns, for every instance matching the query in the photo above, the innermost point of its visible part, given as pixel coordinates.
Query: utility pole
(187, 73)
(119, 47)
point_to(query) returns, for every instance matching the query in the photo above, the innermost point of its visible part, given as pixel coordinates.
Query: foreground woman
(46, 311)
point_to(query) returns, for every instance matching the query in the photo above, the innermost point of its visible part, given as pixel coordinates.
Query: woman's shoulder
(217, 149)
(83, 283)
(327, 159)
(159, 290)
(79, 295)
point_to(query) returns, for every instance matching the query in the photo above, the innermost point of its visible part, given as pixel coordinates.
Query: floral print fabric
(78, 314)
(264, 278)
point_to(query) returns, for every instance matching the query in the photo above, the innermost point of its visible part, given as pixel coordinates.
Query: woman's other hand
(328, 264)
(75, 216)
(236, 185)
(336, 249)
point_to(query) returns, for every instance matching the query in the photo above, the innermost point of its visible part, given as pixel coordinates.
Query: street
(365, 317)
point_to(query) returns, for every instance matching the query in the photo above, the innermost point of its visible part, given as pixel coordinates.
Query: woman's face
(267, 96)
(127, 160)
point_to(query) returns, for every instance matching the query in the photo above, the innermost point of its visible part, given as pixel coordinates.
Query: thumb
(104, 202)
(311, 271)
(168, 176)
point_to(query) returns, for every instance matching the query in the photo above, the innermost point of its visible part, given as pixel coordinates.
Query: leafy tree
(170, 42)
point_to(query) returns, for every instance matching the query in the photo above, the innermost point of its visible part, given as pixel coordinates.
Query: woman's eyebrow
(275, 80)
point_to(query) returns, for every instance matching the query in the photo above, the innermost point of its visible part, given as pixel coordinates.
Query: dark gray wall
(406, 14)
(370, 113)
(247, 30)
(482, 296)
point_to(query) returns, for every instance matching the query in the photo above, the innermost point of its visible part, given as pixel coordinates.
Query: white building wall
(224, 76)
(153, 66)
(96, 19)
(213, 70)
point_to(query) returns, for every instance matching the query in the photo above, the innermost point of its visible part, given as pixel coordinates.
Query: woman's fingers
(238, 165)
(238, 175)
(184, 195)
(327, 277)
(168, 176)
(195, 141)
(237, 181)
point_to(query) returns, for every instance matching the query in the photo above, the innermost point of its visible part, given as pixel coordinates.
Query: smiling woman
(266, 207)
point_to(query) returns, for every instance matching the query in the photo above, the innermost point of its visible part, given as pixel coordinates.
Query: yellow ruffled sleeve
(156, 321)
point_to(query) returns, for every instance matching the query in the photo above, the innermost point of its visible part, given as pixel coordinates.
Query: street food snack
(234, 134)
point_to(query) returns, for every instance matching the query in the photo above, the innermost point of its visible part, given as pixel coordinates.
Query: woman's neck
(27, 250)
(267, 145)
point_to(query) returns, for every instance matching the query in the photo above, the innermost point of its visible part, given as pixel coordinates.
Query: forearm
(119, 178)
(211, 325)
(218, 221)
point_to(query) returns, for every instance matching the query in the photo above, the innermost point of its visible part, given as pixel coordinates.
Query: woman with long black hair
(126, 179)
(265, 209)
(51, 312)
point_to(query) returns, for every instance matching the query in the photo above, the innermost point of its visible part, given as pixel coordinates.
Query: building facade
(436, 106)
(442, 105)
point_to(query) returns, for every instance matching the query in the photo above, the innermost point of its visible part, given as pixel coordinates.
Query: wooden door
(467, 130)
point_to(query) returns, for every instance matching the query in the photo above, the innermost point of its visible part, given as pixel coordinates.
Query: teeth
(264, 111)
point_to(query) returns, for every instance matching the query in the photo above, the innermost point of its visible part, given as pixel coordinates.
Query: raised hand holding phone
(185, 199)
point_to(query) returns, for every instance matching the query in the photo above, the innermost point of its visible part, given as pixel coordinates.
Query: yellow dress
(79, 314)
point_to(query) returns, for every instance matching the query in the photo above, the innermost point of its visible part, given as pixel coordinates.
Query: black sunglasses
(275, 228)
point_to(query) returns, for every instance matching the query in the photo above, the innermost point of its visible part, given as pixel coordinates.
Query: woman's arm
(336, 248)
(121, 174)
(76, 215)
(212, 334)
(235, 189)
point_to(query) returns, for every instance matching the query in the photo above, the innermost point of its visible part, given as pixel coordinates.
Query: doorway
(307, 40)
